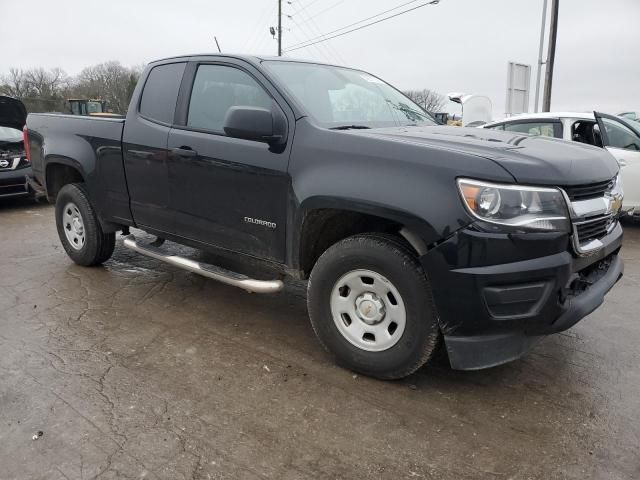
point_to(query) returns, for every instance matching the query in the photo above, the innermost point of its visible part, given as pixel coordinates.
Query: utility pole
(540, 52)
(551, 55)
(279, 28)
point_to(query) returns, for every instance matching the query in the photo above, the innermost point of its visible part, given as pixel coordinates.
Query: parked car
(14, 166)
(621, 137)
(409, 232)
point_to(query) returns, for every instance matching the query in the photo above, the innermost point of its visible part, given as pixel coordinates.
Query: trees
(39, 89)
(431, 101)
(35, 82)
(14, 84)
(46, 90)
(109, 81)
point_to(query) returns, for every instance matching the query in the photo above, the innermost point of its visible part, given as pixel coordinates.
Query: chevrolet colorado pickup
(410, 233)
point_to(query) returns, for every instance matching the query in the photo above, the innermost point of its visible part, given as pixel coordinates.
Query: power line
(316, 47)
(314, 1)
(320, 52)
(432, 2)
(321, 11)
(250, 41)
(314, 26)
(356, 23)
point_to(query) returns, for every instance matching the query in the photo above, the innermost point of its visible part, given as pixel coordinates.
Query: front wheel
(79, 228)
(370, 305)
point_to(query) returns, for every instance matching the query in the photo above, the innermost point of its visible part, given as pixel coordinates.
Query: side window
(545, 129)
(619, 136)
(497, 127)
(216, 89)
(160, 92)
(586, 131)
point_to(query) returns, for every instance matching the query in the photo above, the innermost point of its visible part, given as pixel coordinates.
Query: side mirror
(253, 123)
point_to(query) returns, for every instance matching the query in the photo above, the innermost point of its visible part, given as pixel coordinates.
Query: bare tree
(14, 84)
(108, 81)
(46, 90)
(41, 90)
(45, 83)
(431, 101)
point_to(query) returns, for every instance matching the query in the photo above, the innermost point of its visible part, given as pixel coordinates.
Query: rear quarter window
(160, 92)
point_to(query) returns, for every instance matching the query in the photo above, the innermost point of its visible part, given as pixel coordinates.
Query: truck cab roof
(248, 58)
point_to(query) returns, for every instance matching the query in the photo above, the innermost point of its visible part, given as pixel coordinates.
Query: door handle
(183, 151)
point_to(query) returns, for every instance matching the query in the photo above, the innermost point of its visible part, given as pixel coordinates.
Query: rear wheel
(370, 305)
(79, 228)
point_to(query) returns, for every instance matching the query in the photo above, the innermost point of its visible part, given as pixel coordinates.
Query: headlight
(515, 208)
(616, 195)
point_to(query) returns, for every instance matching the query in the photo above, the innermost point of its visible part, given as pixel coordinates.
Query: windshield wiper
(350, 127)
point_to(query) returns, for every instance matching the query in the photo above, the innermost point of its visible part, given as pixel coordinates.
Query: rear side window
(160, 92)
(545, 129)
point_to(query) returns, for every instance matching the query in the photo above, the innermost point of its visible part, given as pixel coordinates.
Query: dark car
(14, 166)
(410, 233)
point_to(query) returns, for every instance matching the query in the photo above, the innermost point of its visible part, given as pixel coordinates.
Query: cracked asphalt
(139, 370)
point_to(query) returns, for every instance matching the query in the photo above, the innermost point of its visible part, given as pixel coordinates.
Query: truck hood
(13, 113)
(529, 159)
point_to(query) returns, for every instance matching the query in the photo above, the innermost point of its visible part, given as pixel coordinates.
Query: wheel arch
(60, 171)
(321, 222)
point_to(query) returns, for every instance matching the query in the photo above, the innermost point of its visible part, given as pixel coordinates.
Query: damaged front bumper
(497, 293)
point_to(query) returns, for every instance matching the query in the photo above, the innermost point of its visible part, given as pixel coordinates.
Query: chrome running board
(210, 271)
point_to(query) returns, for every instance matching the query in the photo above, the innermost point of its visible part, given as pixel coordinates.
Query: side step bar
(209, 271)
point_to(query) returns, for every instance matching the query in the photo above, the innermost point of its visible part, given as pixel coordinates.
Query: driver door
(623, 141)
(223, 191)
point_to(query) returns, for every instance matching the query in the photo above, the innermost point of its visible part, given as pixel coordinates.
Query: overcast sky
(458, 45)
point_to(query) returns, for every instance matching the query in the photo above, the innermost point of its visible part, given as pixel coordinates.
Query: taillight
(25, 138)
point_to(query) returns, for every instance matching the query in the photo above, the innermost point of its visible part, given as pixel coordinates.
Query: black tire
(391, 258)
(98, 246)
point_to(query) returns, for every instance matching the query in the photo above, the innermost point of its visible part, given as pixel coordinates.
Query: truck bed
(92, 146)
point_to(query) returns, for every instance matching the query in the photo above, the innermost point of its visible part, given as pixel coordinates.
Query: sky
(455, 46)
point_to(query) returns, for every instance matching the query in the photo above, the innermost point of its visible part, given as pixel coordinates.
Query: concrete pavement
(139, 370)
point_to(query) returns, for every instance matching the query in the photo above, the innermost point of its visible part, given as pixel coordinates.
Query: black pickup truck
(410, 233)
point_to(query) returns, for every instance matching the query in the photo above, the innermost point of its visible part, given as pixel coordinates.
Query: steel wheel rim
(73, 226)
(368, 310)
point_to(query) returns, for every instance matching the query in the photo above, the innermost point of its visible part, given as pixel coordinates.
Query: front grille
(594, 228)
(9, 163)
(593, 190)
(13, 189)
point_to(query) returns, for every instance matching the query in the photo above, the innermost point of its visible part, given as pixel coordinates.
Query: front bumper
(13, 183)
(497, 293)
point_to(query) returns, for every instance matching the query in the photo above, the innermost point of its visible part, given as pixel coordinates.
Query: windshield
(341, 97)
(94, 107)
(11, 135)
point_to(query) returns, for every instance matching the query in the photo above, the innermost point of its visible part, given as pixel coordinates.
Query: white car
(620, 136)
